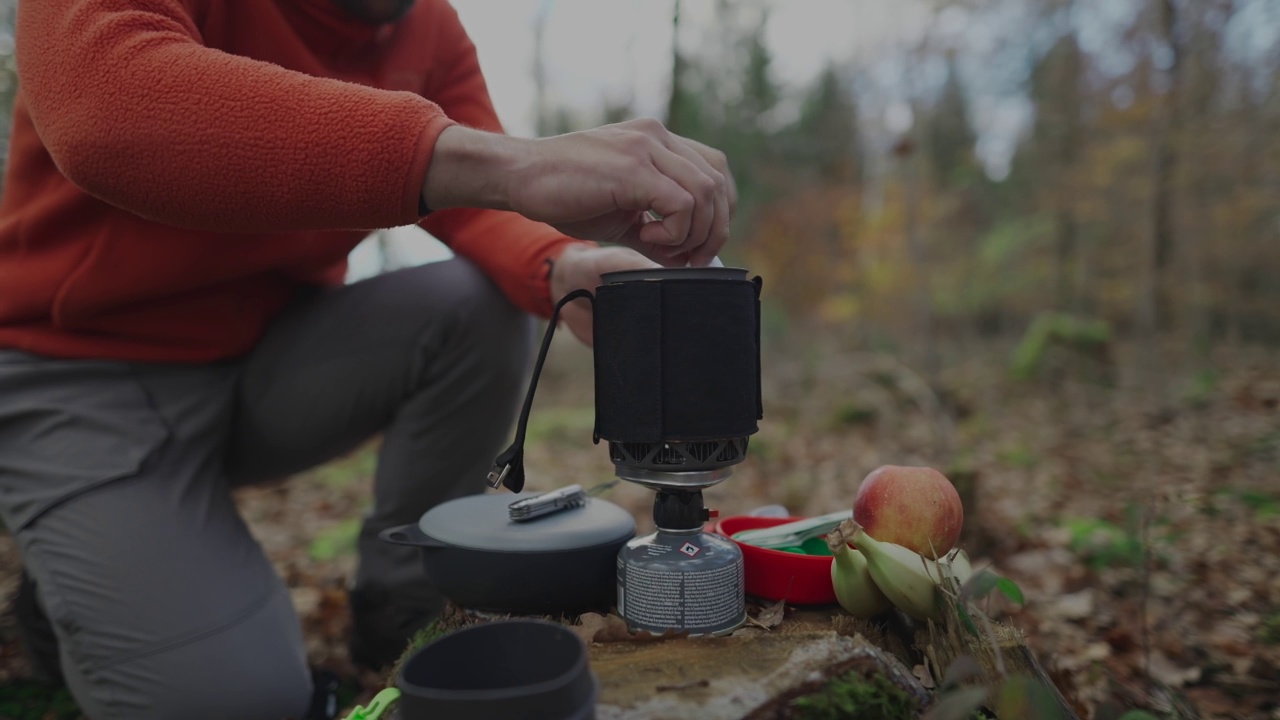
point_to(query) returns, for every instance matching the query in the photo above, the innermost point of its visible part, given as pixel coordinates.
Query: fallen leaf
(615, 630)
(1166, 672)
(597, 628)
(923, 675)
(588, 625)
(771, 617)
(1073, 606)
(306, 600)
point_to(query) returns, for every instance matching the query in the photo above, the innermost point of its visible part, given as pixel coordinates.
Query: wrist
(471, 168)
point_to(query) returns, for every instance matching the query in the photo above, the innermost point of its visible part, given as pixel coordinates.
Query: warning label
(690, 549)
(706, 601)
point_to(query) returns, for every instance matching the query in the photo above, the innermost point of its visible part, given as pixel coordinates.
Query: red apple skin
(916, 507)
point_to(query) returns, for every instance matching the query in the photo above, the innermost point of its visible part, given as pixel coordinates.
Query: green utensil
(381, 703)
(816, 546)
(793, 533)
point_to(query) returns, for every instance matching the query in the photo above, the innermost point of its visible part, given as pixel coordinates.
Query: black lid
(483, 522)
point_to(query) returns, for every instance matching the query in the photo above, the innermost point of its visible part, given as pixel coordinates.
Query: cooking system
(677, 396)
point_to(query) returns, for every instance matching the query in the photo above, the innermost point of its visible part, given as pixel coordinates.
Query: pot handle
(410, 535)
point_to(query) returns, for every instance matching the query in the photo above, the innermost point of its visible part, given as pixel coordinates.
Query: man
(186, 179)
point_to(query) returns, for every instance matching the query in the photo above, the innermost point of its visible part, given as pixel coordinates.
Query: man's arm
(136, 111)
(510, 248)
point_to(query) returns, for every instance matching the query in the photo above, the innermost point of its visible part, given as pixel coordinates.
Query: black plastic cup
(503, 670)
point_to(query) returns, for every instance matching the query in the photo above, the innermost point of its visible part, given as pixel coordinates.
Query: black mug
(502, 670)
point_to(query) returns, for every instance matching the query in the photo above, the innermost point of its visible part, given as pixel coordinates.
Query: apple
(916, 507)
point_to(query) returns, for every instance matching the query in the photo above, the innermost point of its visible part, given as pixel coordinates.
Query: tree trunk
(919, 253)
(542, 114)
(674, 109)
(1154, 305)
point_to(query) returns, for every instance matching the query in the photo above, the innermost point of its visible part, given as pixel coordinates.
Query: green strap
(381, 703)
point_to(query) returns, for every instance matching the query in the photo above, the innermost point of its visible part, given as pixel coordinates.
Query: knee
(496, 336)
(254, 671)
(480, 305)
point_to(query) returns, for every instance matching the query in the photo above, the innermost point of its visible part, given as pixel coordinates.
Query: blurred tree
(1055, 141)
(824, 140)
(949, 137)
(683, 116)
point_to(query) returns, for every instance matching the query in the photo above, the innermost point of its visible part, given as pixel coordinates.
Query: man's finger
(675, 205)
(720, 225)
(717, 160)
(703, 254)
(698, 184)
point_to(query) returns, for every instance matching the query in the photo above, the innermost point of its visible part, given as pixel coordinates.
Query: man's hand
(600, 184)
(579, 267)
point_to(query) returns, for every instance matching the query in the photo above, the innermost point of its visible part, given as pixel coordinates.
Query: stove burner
(668, 480)
(679, 456)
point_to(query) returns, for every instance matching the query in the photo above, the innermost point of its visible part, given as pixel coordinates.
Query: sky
(598, 49)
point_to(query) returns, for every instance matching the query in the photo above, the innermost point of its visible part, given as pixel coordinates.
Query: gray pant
(115, 480)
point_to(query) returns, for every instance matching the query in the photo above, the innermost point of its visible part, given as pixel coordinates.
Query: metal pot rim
(675, 273)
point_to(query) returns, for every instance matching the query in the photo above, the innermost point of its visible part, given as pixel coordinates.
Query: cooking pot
(476, 555)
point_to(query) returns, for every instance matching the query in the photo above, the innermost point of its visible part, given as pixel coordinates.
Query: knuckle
(650, 125)
(706, 187)
(718, 179)
(639, 144)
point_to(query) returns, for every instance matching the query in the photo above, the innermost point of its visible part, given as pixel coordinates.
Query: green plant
(1084, 336)
(1264, 504)
(853, 695)
(1019, 456)
(852, 414)
(419, 640)
(335, 541)
(1104, 544)
(1199, 390)
(26, 700)
(979, 587)
(350, 469)
(1269, 632)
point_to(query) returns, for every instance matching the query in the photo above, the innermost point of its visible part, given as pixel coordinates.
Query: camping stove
(677, 395)
(677, 398)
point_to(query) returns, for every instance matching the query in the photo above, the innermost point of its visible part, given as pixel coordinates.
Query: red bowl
(777, 575)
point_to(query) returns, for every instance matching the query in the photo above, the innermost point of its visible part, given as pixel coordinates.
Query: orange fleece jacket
(180, 168)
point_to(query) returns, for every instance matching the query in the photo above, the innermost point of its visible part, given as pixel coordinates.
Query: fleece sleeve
(135, 110)
(510, 248)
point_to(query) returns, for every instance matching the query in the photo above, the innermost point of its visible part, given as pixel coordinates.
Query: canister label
(699, 598)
